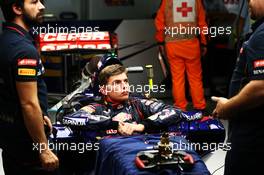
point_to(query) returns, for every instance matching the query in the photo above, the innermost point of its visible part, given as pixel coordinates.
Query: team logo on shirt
(27, 72)
(111, 131)
(162, 114)
(258, 63)
(27, 62)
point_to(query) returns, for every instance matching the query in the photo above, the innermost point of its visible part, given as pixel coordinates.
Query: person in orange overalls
(178, 23)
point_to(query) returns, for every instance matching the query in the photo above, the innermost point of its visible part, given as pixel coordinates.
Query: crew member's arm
(160, 23)
(238, 74)
(201, 20)
(27, 92)
(250, 97)
(25, 70)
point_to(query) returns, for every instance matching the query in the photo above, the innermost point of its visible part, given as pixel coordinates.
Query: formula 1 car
(71, 129)
(200, 130)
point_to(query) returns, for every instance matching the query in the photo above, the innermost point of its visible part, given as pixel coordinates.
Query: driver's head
(30, 12)
(256, 8)
(113, 83)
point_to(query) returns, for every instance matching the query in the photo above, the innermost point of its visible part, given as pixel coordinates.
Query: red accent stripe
(15, 29)
(205, 118)
(139, 163)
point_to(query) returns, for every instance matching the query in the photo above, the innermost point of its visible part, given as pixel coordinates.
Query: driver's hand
(137, 127)
(122, 117)
(125, 128)
(203, 50)
(129, 128)
(49, 160)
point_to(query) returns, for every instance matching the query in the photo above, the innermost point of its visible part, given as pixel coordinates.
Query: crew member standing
(23, 93)
(244, 110)
(179, 24)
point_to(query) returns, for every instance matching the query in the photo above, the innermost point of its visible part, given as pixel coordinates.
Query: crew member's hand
(162, 48)
(219, 111)
(203, 50)
(48, 123)
(49, 160)
(125, 128)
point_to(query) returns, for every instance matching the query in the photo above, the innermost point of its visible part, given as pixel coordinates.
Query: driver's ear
(17, 10)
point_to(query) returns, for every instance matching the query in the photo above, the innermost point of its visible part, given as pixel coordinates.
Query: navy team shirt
(19, 62)
(247, 129)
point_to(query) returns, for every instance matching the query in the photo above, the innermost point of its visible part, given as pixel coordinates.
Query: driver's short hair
(107, 72)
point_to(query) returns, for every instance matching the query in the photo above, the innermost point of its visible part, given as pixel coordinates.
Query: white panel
(134, 31)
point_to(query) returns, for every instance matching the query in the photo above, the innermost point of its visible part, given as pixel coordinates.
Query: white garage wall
(134, 31)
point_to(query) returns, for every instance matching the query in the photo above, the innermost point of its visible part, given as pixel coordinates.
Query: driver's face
(117, 88)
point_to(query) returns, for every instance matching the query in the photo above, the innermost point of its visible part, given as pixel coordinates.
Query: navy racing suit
(154, 115)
